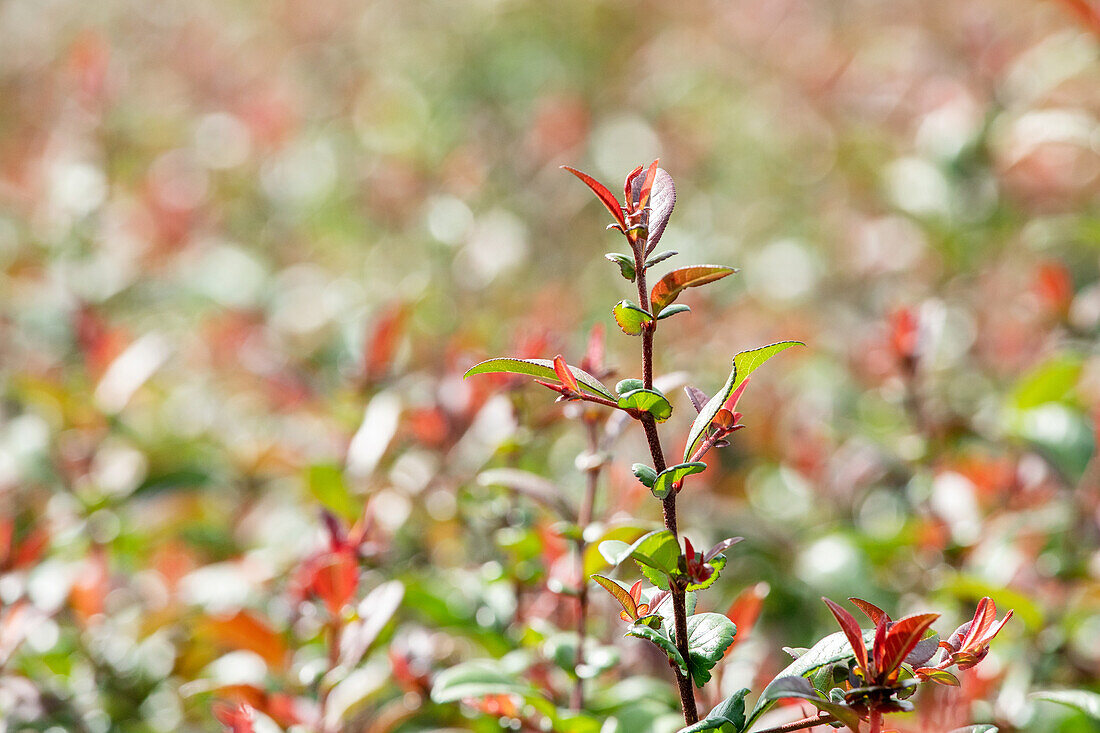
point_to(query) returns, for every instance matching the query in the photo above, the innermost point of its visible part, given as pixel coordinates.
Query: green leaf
(625, 263)
(981, 728)
(660, 257)
(727, 716)
(644, 473)
(717, 562)
(661, 639)
(744, 364)
(658, 549)
(1081, 700)
(542, 368)
(667, 479)
(833, 649)
(800, 688)
(669, 287)
(477, 679)
(630, 317)
(673, 310)
(327, 485)
(629, 385)
(594, 560)
(709, 636)
(647, 400)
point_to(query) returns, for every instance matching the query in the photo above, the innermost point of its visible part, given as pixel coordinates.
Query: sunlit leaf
(605, 196)
(543, 368)
(716, 563)
(662, 199)
(671, 285)
(619, 593)
(981, 728)
(658, 550)
(629, 385)
(630, 317)
(668, 480)
(744, 364)
(647, 400)
(326, 485)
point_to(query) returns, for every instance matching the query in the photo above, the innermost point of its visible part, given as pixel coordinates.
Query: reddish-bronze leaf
(620, 594)
(851, 630)
(647, 185)
(873, 612)
(244, 630)
(900, 638)
(565, 375)
(606, 197)
(669, 287)
(335, 580)
(746, 609)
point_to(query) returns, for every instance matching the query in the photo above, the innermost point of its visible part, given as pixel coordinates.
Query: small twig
(810, 722)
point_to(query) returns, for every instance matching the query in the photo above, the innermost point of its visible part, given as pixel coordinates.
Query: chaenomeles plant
(852, 677)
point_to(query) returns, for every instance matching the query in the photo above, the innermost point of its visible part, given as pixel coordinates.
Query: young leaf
(658, 550)
(901, 637)
(697, 396)
(673, 477)
(872, 611)
(647, 184)
(625, 263)
(660, 257)
(647, 400)
(709, 635)
(662, 199)
(661, 639)
(671, 285)
(630, 317)
(716, 565)
(619, 593)
(673, 310)
(606, 197)
(543, 368)
(833, 649)
(644, 473)
(564, 375)
(744, 364)
(629, 385)
(727, 716)
(851, 629)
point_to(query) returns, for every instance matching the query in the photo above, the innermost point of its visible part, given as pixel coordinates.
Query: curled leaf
(625, 263)
(630, 317)
(647, 400)
(672, 478)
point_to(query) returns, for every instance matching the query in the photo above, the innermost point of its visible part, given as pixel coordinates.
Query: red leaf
(382, 342)
(606, 197)
(594, 353)
(565, 375)
(245, 630)
(647, 186)
(873, 612)
(625, 599)
(900, 638)
(852, 631)
(628, 187)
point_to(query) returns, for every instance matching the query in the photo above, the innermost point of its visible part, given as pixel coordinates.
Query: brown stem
(679, 597)
(814, 720)
(584, 518)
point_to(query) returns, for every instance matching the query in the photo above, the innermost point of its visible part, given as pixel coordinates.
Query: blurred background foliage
(248, 249)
